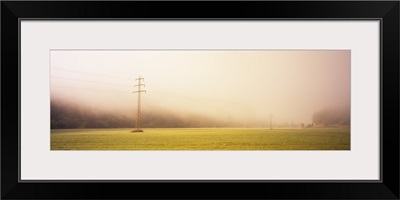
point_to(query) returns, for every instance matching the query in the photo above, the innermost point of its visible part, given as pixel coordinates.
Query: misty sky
(237, 85)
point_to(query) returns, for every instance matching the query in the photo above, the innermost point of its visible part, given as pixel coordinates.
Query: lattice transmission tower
(270, 121)
(139, 91)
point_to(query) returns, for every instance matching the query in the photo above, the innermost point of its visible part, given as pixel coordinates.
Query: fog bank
(203, 88)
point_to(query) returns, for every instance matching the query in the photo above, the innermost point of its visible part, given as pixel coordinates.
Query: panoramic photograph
(200, 99)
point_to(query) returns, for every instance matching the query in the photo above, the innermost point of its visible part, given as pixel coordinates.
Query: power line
(89, 81)
(182, 97)
(94, 89)
(161, 98)
(90, 73)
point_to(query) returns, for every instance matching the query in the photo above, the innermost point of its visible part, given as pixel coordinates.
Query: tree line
(332, 116)
(70, 116)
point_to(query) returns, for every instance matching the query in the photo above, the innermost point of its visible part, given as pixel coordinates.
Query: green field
(201, 139)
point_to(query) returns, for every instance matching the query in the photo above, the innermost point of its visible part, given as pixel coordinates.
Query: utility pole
(270, 121)
(138, 116)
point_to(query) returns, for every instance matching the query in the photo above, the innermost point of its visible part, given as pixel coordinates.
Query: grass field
(201, 139)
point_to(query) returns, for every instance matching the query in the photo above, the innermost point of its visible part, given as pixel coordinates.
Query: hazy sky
(244, 85)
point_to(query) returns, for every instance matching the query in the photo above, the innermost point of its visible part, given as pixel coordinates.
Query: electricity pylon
(270, 121)
(138, 116)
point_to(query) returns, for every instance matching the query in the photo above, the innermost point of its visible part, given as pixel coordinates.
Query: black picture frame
(386, 11)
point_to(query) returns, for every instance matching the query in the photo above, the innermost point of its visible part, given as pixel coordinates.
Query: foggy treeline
(71, 116)
(332, 116)
(68, 116)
